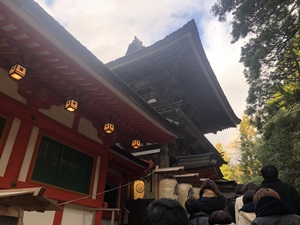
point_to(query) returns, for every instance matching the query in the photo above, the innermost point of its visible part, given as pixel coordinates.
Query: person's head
(269, 171)
(264, 192)
(248, 196)
(192, 205)
(238, 188)
(248, 186)
(219, 217)
(209, 184)
(165, 211)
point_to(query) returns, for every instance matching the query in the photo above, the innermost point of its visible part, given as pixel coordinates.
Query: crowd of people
(272, 202)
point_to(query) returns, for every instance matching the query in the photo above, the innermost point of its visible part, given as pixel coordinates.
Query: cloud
(107, 27)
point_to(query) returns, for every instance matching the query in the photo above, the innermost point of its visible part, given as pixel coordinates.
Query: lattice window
(59, 165)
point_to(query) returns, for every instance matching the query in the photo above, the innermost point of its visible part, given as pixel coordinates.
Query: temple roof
(174, 76)
(28, 199)
(59, 67)
(206, 165)
(135, 45)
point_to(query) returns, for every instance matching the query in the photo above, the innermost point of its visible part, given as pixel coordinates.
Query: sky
(107, 27)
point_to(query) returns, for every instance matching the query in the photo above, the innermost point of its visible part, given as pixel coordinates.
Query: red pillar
(98, 217)
(18, 152)
(58, 216)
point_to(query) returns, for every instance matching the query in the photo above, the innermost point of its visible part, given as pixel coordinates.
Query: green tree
(280, 144)
(271, 57)
(249, 164)
(225, 168)
(237, 175)
(271, 51)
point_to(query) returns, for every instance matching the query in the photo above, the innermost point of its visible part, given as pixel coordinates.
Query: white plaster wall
(76, 215)
(28, 155)
(59, 114)
(37, 218)
(96, 177)
(87, 129)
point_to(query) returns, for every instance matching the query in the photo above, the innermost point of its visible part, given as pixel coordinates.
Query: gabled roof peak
(135, 45)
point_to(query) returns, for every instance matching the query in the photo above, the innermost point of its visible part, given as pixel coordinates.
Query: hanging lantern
(136, 143)
(71, 105)
(139, 187)
(17, 71)
(109, 128)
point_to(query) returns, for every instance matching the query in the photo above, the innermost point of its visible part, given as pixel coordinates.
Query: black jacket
(199, 218)
(287, 193)
(248, 207)
(211, 204)
(270, 210)
(231, 206)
